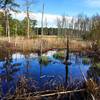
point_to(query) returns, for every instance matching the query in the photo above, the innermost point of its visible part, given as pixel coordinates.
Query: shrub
(43, 60)
(85, 60)
(58, 55)
(98, 65)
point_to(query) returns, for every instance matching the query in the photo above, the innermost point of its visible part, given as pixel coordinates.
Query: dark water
(54, 73)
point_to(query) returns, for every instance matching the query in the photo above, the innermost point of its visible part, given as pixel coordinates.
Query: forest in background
(79, 26)
(33, 38)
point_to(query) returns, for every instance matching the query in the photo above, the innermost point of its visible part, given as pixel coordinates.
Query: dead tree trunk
(28, 23)
(67, 51)
(8, 28)
(67, 56)
(42, 27)
(7, 24)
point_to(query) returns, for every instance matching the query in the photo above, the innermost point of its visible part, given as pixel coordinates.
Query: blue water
(55, 70)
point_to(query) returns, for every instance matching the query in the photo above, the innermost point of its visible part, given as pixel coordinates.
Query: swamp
(45, 55)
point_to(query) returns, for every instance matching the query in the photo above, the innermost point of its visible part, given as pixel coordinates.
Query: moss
(85, 60)
(43, 60)
(58, 55)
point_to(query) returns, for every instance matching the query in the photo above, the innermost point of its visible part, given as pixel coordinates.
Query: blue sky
(68, 7)
(56, 8)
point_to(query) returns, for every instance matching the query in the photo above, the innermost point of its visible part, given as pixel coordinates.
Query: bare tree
(42, 26)
(63, 26)
(46, 26)
(7, 24)
(58, 26)
(66, 37)
(28, 3)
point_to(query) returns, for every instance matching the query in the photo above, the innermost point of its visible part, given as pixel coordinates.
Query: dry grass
(30, 45)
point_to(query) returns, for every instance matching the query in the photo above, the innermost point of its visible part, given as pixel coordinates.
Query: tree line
(80, 26)
(16, 26)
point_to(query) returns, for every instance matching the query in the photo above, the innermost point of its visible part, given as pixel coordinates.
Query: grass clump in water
(98, 65)
(85, 60)
(58, 55)
(44, 60)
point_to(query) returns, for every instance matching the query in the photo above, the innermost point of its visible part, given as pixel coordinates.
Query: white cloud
(93, 3)
(51, 18)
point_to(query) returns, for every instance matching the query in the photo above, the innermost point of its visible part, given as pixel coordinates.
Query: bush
(58, 55)
(43, 60)
(85, 60)
(98, 65)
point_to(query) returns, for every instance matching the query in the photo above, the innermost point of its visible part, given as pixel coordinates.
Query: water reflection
(8, 71)
(41, 71)
(66, 71)
(42, 74)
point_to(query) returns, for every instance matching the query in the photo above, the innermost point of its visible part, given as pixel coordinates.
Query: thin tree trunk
(16, 34)
(5, 14)
(28, 23)
(8, 28)
(7, 25)
(67, 50)
(42, 27)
